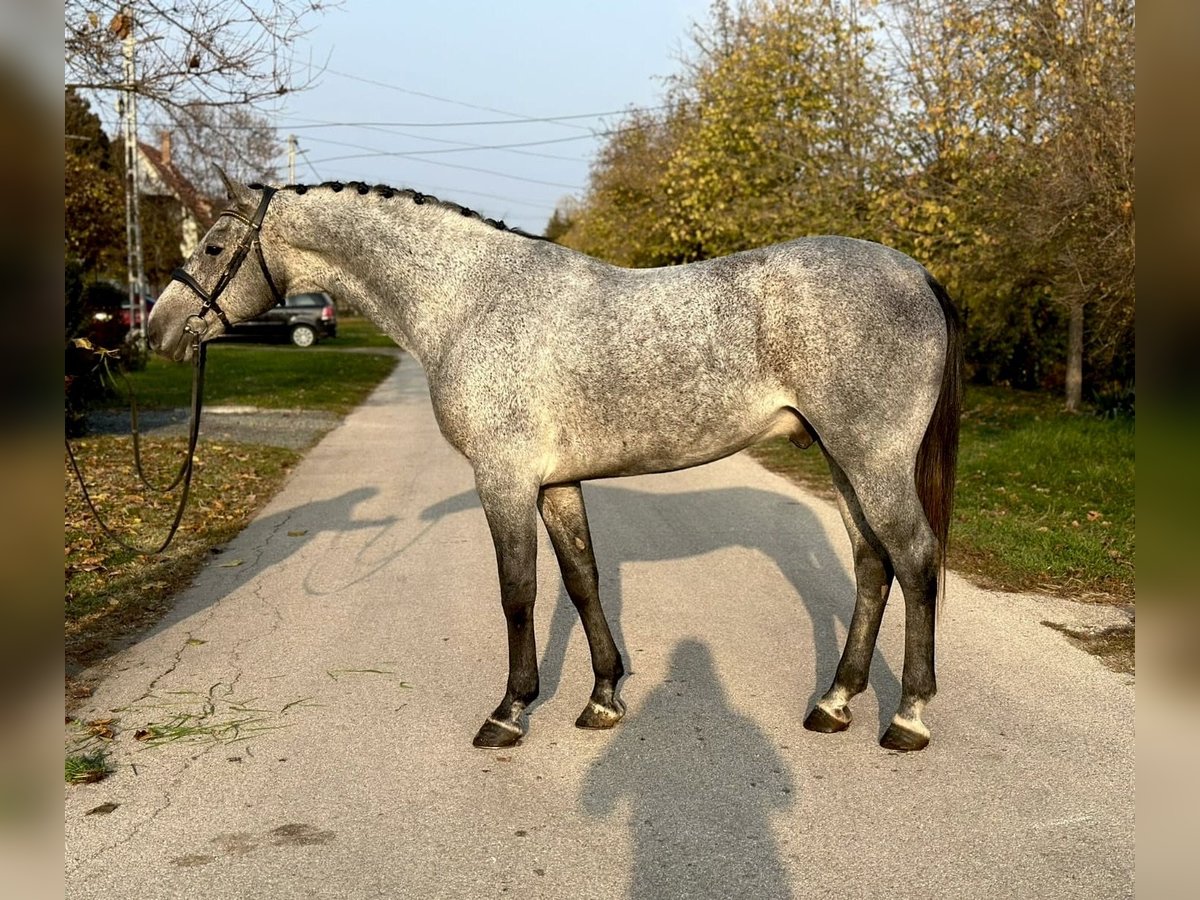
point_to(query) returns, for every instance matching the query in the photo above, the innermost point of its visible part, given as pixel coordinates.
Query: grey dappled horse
(547, 367)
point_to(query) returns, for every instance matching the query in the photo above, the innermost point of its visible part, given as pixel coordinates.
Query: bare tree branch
(191, 53)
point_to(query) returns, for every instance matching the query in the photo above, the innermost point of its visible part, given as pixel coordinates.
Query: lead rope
(199, 356)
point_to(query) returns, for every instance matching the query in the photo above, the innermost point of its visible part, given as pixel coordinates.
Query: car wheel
(304, 335)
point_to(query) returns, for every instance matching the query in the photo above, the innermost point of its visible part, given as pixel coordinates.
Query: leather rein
(197, 326)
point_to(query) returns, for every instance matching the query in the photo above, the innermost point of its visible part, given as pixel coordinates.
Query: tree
(190, 53)
(1082, 167)
(785, 135)
(202, 69)
(772, 129)
(561, 220)
(1020, 139)
(623, 218)
(95, 204)
(238, 139)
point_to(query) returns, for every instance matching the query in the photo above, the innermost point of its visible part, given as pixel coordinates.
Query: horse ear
(233, 190)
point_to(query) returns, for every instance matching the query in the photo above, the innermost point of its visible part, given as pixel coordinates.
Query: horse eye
(213, 249)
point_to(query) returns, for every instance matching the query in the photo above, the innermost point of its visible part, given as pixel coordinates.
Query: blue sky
(532, 59)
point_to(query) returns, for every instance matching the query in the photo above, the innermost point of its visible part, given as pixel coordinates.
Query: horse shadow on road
(267, 541)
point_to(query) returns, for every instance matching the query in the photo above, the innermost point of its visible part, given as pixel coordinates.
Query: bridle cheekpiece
(250, 240)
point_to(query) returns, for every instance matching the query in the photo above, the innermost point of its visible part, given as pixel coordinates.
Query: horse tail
(938, 454)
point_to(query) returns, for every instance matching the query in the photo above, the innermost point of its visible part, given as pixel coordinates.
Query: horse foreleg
(563, 512)
(511, 516)
(873, 576)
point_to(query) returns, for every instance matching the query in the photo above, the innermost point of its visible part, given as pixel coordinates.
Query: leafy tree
(94, 197)
(561, 220)
(1028, 110)
(623, 218)
(784, 136)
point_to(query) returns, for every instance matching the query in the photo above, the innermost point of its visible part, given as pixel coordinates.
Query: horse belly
(666, 442)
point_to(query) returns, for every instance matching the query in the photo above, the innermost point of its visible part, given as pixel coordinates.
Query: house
(163, 187)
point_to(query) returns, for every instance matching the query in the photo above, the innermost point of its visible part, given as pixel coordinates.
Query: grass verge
(357, 331)
(1045, 499)
(113, 594)
(270, 377)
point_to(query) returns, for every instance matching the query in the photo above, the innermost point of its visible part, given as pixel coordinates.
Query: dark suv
(303, 318)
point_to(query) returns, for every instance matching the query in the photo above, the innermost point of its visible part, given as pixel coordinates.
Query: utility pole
(122, 26)
(291, 159)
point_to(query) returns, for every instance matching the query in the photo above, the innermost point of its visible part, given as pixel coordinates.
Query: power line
(462, 146)
(427, 96)
(311, 167)
(469, 145)
(374, 154)
(526, 121)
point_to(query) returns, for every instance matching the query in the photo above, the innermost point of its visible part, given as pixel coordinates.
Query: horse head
(214, 289)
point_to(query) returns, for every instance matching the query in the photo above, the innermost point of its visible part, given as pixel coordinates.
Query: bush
(93, 313)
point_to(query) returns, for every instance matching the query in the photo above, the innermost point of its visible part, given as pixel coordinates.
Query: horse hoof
(906, 739)
(822, 720)
(599, 715)
(495, 735)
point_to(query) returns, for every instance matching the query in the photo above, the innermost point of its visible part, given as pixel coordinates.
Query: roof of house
(184, 190)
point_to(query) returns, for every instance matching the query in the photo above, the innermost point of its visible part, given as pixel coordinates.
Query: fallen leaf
(102, 728)
(299, 532)
(234, 563)
(102, 810)
(141, 734)
(1093, 515)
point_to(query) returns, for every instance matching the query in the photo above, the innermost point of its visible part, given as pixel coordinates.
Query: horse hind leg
(565, 517)
(873, 575)
(511, 517)
(892, 509)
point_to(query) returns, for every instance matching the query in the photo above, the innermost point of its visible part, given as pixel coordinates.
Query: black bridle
(250, 241)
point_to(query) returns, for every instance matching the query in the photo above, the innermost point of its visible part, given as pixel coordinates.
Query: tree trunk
(1075, 357)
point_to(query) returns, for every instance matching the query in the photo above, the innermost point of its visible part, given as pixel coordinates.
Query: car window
(307, 300)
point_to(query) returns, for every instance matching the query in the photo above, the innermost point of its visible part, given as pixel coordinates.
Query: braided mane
(417, 197)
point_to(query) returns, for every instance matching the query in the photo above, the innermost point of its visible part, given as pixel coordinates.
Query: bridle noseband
(249, 240)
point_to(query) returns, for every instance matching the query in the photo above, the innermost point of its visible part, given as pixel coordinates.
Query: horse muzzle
(172, 333)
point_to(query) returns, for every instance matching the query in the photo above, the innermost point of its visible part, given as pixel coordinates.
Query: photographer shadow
(701, 783)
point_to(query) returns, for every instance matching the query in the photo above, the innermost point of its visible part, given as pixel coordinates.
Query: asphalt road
(335, 660)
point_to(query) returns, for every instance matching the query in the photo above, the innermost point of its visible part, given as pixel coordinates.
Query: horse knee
(517, 594)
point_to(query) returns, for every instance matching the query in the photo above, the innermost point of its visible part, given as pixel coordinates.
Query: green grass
(356, 331)
(83, 768)
(1045, 499)
(272, 377)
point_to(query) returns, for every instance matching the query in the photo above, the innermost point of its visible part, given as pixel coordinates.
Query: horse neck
(407, 266)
